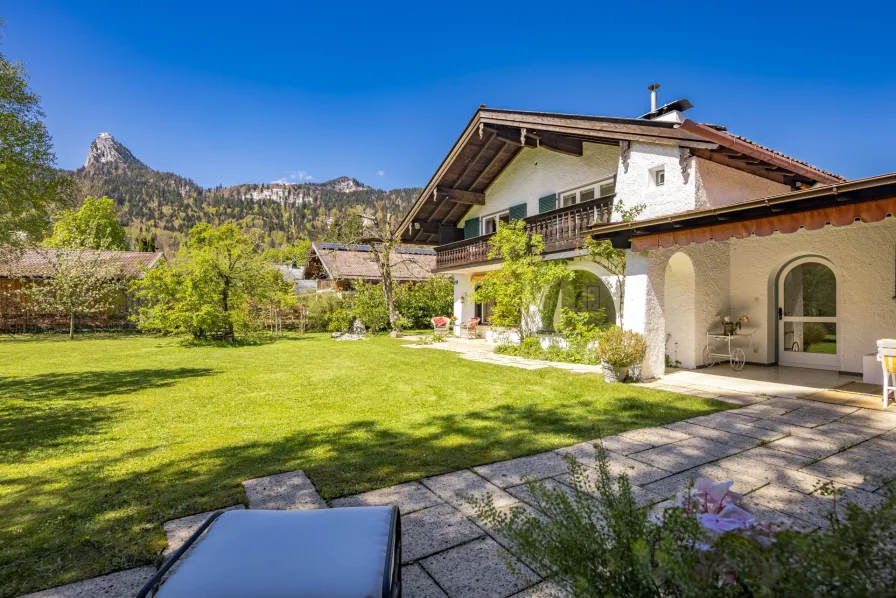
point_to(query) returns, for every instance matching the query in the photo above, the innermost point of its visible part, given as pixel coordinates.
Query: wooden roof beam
(460, 196)
(474, 159)
(497, 155)
(563, 145)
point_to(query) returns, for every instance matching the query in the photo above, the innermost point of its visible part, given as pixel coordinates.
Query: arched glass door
(808, 315)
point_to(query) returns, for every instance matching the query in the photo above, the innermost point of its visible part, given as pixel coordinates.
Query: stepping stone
(478, 569)
(453, 487)
(122, 584)
(654, 436)
(518, 471)
(433, 530)
(416, 583)
(283, 491)
(409, 497)
(178, 531)
(731, 439)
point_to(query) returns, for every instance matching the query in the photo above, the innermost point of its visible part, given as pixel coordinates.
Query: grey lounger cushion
(330, 553)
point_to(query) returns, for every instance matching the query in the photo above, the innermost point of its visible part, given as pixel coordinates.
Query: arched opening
(585, 292)
(680, 307)
(808, 314)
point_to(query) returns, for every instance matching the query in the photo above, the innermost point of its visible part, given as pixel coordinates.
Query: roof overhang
(868, 199)
(493, 138)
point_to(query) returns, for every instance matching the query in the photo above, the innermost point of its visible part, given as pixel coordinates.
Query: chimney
(652, 89)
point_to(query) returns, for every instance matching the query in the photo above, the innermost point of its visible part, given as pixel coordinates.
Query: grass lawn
(103, 439)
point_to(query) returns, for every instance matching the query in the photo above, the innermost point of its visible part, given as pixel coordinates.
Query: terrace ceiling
(493, 138)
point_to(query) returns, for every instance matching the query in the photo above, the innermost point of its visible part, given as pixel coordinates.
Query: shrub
(339, 320)
(595, 539)
(580, 334)
(422, 301)
(622, 348)
(369, 306)
(319, 307)
(813, 333)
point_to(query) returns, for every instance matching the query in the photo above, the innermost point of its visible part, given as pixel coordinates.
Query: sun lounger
(327, 553)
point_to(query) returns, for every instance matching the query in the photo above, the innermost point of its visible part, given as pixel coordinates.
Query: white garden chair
(886, 354)
(440, 325)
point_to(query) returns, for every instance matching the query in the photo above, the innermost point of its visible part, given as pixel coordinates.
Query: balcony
(562, 229)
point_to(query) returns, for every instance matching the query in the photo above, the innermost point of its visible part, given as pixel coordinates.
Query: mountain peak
(106, 152)
(345, 184)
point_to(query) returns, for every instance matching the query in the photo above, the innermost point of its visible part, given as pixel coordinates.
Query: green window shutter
(471, 228)
(547, 203)
(518, 212)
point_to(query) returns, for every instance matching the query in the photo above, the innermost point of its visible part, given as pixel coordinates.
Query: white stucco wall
(718, 185)
(537, 172)
(863, 256)
(635, 185)
(680, 292)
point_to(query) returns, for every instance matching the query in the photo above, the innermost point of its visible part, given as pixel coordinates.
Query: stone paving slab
(871, 419)
(842, 433)
(416, 583)
(638, 473)
(478, 570)
(657, 436)
(452, 487)
(283, 491)
(760, 410)
(517, 471)
(122, 584)
(788, 478)
(720, 436)
(867, 465)
(433, 530)
(811, 417)
(684, 455)
(545, 589)
(780, 459)
(813, 448)
(524, 491)
(740, 399)
(807, 507)
(178, 531)
(668, 487)
(408, 497)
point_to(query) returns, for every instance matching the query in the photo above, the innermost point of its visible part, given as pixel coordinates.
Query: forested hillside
(168, 205)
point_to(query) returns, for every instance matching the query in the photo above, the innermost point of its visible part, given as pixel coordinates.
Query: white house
(729, 228)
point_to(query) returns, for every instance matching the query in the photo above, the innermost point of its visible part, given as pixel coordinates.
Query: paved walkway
(776, 449)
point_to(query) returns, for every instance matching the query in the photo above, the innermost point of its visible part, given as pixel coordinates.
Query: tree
(212, 288)
(611, 259)
(383, 237)
(31, 189)
(93, 226)
(523, 281)
(82, 282)
(146, 243)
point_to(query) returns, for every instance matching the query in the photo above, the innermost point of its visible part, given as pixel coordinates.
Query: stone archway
(680, 304)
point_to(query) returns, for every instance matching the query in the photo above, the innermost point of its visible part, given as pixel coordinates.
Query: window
(483, 311)
(659, 177)
(490, 223)
(588, 192)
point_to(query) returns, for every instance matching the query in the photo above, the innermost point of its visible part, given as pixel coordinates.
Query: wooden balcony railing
(563, 228)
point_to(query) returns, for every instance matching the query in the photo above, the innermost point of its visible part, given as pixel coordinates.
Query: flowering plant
(452, 318)
(729, 325)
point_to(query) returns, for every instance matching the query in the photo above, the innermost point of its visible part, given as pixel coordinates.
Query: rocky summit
(106, 152)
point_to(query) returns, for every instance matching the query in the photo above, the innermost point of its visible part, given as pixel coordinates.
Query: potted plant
(619, 350)
(730, 327)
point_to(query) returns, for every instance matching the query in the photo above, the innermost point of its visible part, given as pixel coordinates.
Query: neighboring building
(21, 270)
(714, 238)
(296, 277)
(335, 266)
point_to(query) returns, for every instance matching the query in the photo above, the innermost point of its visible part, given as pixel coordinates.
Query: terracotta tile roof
(356, 261)
(38, 263)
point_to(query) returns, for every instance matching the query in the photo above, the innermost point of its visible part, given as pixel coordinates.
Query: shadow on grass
(53, 410)
(89, 521)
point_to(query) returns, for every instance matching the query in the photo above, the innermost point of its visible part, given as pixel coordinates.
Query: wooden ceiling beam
(563, 145)
(473, 160)
(460, 196)
(497, 155)
(425, 227)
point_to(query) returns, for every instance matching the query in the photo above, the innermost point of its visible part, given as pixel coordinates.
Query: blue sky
(229, 93)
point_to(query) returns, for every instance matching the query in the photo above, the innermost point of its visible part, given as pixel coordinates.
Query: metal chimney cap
(653, 87)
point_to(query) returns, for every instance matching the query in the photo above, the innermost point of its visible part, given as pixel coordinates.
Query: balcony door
(808, 315)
